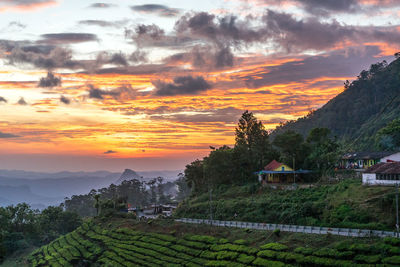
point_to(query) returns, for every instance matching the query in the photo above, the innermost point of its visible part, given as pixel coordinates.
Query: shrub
(275, 246)
(240, 242)
(226, 255)
(392, 241)
(304, 251)
(245, 259)
(392, 260)
(267, 254)
(268, 263)
(367, 259)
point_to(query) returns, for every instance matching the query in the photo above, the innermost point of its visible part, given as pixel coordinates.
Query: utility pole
(211, 217)
(209, 192)
(294, 170)
(397, 209)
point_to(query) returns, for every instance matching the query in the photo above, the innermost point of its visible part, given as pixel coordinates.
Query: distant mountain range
(43, 189)
(365, 106)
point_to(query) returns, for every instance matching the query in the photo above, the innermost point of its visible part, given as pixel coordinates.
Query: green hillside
(346, 204)
(365, 106)
(134, 244)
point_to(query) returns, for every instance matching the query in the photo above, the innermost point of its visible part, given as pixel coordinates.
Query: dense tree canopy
(21, 226)
(389, 136)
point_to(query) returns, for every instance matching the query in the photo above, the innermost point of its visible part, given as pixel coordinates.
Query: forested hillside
(364, 107)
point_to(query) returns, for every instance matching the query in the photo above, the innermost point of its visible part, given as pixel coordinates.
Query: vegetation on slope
(105, 245)
(345, 204)
(22, 228)
(365, 106)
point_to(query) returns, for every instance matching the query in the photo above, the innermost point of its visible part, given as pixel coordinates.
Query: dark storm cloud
(310, 33)
(138, 56)
(101, 23)
(7, 135)
(65, 100)
(110, 152)
(226, 29)
(104, 23)
(46, 57)
(122, 93)
(326, 6)
(51, 57)
(118, 59)
(331, 7)
(22, 102)
(337, 64)
(145, 69)
(2, 99)
(183, 85)
(153, 36)
(101, 5)
(204, 57)
(50, 80)
(159, 10)
(67, 38)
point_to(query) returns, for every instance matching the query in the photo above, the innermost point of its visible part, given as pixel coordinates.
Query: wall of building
(394, 157)
(370, 179)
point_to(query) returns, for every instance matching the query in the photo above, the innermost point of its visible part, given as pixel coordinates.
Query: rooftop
(387, 168)
(368, 155)
(272, 165)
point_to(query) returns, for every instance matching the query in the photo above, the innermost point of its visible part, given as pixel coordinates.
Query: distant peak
(127, 175)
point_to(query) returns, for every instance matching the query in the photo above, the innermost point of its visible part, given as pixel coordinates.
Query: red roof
(389, 168)
(273, 165)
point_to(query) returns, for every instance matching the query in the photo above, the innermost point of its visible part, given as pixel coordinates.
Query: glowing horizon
(151, 87)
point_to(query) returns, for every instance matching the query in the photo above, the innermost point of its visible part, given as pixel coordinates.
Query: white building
(382, 174)
(392, 157)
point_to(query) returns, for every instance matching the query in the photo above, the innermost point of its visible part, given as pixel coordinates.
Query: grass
(347, 204)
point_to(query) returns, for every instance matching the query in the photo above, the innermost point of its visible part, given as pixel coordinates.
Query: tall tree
(324, 151)
(292, 148)
(194, 176)
(252, 149)
(218, 166)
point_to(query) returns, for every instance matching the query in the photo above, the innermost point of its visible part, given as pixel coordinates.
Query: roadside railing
(293, 228)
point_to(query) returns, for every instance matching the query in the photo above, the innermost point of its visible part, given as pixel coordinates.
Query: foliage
(345, 204)
(388, 137)
(22, 227)
(252, 149)
(107, 201)
(225, 165)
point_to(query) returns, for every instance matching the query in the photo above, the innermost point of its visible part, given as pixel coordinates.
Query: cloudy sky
(88, 85)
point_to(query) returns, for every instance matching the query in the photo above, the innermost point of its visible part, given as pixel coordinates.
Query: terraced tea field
(92, 245)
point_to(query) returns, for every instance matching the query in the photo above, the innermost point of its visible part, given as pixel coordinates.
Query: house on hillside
(364, 160)
(277, 172)
(382, 174)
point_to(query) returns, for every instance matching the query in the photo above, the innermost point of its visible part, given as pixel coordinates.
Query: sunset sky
(88, 85)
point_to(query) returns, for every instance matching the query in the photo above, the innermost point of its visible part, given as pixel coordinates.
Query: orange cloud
(26, 6)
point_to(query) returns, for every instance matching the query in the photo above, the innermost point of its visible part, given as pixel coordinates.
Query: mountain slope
(366, 105)
(128, 175)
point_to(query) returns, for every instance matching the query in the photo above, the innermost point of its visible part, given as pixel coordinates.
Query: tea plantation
(95, 245)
